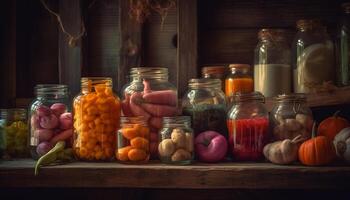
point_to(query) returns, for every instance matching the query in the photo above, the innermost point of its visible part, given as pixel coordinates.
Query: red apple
(210, 146)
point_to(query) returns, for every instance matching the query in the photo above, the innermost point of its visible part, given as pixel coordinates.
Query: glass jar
(215, 72)
(96, 114)
(13, 133)
(248, 125)
(50, 120)
(205, 102)
(312, 57)
(176, 140)
(151, 95)
(342, 48)
(291, 117)
(238, 80)
(133, 140)
(272, 65)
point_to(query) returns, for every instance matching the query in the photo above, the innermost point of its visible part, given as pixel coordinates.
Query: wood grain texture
(155, 175)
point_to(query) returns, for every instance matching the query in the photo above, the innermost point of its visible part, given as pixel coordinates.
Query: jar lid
(15, 113)
(214, 69)
(51, 89)
(177, 121)
(303, 24)
(295, 97)
(252, 96)
(149, 72)
(133, 120)
(272, 34)
(239, 66)
(196, 83)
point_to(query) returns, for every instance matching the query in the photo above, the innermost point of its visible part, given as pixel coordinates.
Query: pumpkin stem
(298, 139)
(336, 114)
(313, 133)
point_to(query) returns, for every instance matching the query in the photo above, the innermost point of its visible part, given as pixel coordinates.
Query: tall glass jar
(14, 133)
(176, 140)
(205, 102)
(96, 114)
(343, 48)
(238, 80)
(312, 57)
(248, 124)
(151, 95)
(50, 119)
(291, 117)
(133, 141)
(215, 72)
(272, 65)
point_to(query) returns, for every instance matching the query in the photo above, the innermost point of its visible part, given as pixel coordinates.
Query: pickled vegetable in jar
(96, 114)
(248, 125)
(50, 119)
(239, 80)
(13, 133)
(176, 140)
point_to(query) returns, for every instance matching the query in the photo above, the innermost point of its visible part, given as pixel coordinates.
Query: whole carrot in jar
(238, 80)
(133, 140)
(96, 114)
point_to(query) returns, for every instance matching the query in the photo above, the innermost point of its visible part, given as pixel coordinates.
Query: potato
(181, 155)
(179, 138)
(166, 148)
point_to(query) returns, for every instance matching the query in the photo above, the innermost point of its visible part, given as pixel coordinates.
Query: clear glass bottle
(312, 57)
(215, 72)
(133, 141)
(272, 65)
(248, 125)
(291, 117)
(14, 133)
(151, 95)
(238, 80)
(205, 102)
(51, 103)
(96, 114)
(176, 140)
(343, 48)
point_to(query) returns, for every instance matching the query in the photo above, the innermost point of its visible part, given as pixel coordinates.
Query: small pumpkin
(342, 144)
(331, 126)
(316, 151)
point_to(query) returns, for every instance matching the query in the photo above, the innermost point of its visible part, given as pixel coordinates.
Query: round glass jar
(238, 80)
(205, 102)
(291, 117)
(248, 126)
(13, 133)
(151, 95)
(215, 72)
(176, 140)
(96, 114)
(133, 141)
(312, 57)
(50, 119)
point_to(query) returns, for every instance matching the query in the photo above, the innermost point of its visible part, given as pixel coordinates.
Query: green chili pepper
(50, 156)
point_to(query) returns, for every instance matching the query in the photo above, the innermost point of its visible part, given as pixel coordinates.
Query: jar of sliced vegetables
(151, 95)
(13, 133)
(96, 114)
(176, 140)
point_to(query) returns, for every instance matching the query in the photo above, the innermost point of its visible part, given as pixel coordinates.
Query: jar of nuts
(176, 140)
(291, 117)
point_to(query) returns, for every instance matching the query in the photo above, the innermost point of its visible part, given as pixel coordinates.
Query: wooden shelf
(20, 174)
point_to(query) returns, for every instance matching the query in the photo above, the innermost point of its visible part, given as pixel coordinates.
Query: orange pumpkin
(331, 126)
(316, 151)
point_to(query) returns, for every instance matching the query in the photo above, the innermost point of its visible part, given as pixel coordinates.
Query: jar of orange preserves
(96, 113)
(238, 80)
(133, 140)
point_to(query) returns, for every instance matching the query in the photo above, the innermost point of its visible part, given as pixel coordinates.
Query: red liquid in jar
(247, 138)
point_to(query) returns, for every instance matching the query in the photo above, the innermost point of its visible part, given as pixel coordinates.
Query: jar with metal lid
(176, 140)
(248, 125)
(96, 114)
(239, 80)
(291, 117)
(312, 57)
(215, 72)
(205, 102)
(272, 65)
(133, 145)
(150, 94)
(50, 119)
(13, 133)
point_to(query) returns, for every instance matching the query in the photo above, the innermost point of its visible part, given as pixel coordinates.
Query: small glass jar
(215, 72)
(176, 140)
(272, 65)
(50, 120)
(291, 117)
(248, 125)
(238, 80)
(96, 114)
(312, 57)
(205, 102)
(133, 141)
(14, 133)
(151, 95)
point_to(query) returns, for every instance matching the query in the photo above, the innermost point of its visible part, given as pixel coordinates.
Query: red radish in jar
(58, 108)
(49, 122)
(43, 111)
(43, 148)
(64, 135)
(126, 106)
(210, 146)
(137, 110)
(66, 121)
(164, 97)
(43, 134)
